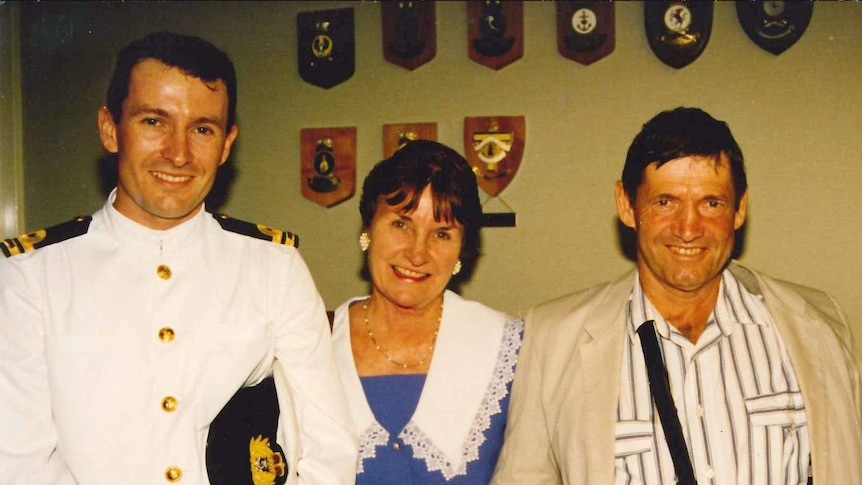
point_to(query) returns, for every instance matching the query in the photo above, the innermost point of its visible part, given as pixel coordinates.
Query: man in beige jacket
(692, 368)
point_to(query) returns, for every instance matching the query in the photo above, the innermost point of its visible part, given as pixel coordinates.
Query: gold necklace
(403, 365)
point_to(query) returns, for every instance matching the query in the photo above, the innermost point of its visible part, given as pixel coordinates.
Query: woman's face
(411, 255)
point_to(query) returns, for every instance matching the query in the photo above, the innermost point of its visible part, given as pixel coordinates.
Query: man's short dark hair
(192, 55)
(678, 133)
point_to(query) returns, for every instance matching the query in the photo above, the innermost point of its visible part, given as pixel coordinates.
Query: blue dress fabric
(393, 399)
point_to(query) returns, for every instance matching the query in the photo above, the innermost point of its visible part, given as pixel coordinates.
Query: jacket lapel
(601, 356)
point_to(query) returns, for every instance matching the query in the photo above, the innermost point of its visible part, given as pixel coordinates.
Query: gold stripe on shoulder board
(278, 236)
(23, 243)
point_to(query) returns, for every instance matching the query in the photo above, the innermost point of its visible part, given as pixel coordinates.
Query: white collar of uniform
(465, 357)
(171, 241)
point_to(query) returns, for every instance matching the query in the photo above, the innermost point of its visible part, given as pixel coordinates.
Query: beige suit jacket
(562, 413)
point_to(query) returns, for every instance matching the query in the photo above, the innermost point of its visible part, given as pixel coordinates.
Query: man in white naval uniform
(123, 335)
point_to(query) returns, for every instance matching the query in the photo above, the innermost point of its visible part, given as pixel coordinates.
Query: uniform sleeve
(28, 437)
(526, 456)
(327, 450)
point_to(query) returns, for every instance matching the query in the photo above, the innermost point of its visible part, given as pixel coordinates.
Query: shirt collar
(733, 307)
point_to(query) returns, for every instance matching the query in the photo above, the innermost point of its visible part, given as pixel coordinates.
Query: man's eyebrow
(206, 119)
(148, 109)
(160, 112)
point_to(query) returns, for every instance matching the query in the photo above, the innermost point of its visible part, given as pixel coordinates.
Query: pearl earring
(364, 241)
(457, 268)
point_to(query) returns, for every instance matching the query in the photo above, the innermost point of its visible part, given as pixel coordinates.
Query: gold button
(166, 334)
(163, 271)
(396, 446)
(173, 474)
(169, 404)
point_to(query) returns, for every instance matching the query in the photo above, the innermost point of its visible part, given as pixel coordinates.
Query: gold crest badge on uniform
(241, 447)
(266, 465)
(678, 32)
(585, 30)
(494, 146)
(495, 32)
(396, 135)
(326, 46)
(774, 25)
(328, 164)
(409, 32)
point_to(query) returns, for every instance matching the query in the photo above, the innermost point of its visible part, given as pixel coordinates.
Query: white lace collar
(474, 359)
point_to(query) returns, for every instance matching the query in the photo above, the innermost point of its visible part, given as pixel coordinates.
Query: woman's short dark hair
(678, 133)
(401, 179)
(192, 55)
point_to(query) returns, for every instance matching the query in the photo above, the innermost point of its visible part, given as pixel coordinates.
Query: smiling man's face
(170, 141)
(685, 219)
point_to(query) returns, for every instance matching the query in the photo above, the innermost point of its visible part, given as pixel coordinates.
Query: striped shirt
(736, 395)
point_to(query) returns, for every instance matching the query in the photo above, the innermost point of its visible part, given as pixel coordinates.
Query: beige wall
(796, 117)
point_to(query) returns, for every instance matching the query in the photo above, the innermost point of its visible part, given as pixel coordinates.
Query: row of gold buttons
(169, 404)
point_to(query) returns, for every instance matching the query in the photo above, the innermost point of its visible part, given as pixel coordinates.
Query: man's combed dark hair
(401, 179)
(678, 133)
(192, 55)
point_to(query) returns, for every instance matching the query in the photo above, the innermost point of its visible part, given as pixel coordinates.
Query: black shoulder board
(258, 231)
(241, 446)
(43, 237)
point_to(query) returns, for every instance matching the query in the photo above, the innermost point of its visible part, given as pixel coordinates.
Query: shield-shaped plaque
(494, 145)
(585, 30)
(395, 136)
(495, 32)
(678, 31)
(326, 46)
(328, 167)
(409, 32)
(774, 26)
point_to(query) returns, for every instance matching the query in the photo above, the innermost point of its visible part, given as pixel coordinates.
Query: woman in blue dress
(427, 373)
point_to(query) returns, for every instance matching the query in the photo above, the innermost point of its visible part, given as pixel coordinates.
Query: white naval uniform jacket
(84, 369)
